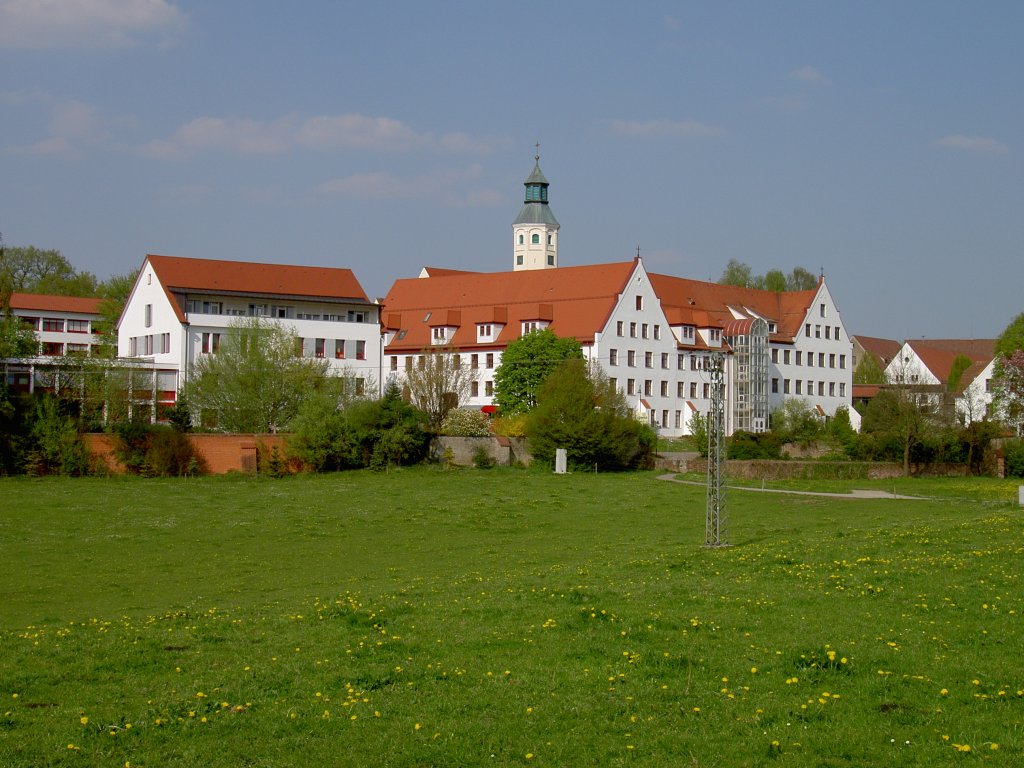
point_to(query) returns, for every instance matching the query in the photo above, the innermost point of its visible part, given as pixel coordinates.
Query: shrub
(466, 422)
(747, 445)
(1013, 451)
(169, 453)
(482, 458)
(56, 446)
(510, 426)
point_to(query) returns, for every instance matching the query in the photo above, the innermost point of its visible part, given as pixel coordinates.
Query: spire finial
(638, 251)
(536, 157)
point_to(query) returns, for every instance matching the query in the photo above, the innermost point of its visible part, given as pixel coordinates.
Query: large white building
(925, 366)
(180, 309)
(651, 333)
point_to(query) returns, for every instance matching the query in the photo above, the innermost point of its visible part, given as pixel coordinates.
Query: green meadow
(506, 617)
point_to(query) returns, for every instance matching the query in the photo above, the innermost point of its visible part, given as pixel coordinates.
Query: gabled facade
(180, 309)
(925, 365)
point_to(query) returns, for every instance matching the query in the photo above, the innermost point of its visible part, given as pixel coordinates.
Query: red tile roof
(710, 305)
(883, 350)
(938, 355)
(39, 302)
(215, 276)
(577, 301)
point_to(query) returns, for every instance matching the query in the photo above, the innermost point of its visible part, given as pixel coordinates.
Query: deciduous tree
(439, 383)
(525, 364)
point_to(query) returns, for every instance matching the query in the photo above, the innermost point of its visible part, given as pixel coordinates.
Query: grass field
(429, 618)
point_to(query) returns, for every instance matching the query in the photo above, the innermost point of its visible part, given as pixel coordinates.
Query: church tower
(535, 230)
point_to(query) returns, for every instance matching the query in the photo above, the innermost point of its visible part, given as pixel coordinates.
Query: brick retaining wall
(220, 453)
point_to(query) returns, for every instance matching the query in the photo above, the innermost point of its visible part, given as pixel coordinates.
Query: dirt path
(855, 494)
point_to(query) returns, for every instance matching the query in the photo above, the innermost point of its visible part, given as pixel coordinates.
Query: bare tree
(438, 383)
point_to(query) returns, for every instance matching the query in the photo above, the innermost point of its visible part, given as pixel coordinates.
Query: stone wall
(758, 469)
(504, 450)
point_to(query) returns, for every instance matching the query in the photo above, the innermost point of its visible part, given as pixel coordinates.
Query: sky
(880, 143)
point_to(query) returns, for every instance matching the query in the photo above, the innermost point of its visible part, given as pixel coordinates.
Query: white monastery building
(652, 334)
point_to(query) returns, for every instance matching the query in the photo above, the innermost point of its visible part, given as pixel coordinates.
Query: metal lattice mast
(717, 518)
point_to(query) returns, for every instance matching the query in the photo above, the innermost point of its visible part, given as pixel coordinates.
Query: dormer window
(533, 325)
(439, 334)
(484, 331)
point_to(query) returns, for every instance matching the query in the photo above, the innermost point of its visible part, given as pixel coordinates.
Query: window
(490, 359)
(394, 362)
(489, 385)
(681, 389)
(165, 343)
(716, 336)
(30, 322)
(842, 389)
(817, 331)
(679, 418)
(318, 348)
(800, 358)
(53, 348)
(664, 418)
(474, 361)
(707, 391)
(657, 331)
(529, 326)
(77, 349)
(785, 356)
(831, 389)
(613, 383)
(439, 334)
(693, 389)
(360, 386)
(408, 363)
(836, 334)
(775, 355)
(149, 344)
(643, 331)
(810, 359)
(832, 361)
(474, 388)
(535, 239)
(520, 242)
(785, 386)
(821, 389)
(823, 311)
(648, 359)
(339, 349)
(360, 350)
(664, 360)
(828, 331)
(484, 330)
(55, 325)
(807, 330)
(810, 387)
(842, 361)
(632, 330)
(613, 357)
(775, 386)
(639, 303)
(149, 315)
(631, 358)
(421, 362)
(648, 387)
(799, 387)
(211, 343)
(630, 386)
(618, 328)
(821, 359)
(78, 326)
(693, 363)
(457, 360)
(519, 256)
(257, 310)
(664, 389)
(681, 361)
(551, 258)
(689, 333)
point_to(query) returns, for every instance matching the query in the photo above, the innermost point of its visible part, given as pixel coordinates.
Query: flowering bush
(465, 422)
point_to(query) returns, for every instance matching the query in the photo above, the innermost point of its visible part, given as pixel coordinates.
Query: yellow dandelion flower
(83, 720)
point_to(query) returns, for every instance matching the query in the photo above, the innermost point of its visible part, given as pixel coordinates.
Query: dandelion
(83, 720)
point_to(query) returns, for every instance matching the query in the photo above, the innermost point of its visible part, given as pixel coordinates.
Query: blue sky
(879, 141)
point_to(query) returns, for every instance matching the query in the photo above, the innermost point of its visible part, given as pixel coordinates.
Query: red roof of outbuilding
(214, 276)
(40, 302)
(939, 354)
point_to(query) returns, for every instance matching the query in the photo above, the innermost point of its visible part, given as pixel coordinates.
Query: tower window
(535, 239)
(519, 258)
(551, 259)
(520, 239)
(549, 239)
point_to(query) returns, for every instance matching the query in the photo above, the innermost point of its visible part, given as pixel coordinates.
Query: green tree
(775, 280)
(895, 416)
(255, 382)
(114, 292)
(868, 370)
(1012, 337)
(698, 425)
(389, 431)
(801, 279)
(956, 371)
(740, 274)
(525, 364)
(33, 270)
(589, 419)
(737, 273)
(15, 339)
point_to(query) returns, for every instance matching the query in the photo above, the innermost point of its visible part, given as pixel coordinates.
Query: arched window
(535, 239)
(520, 238)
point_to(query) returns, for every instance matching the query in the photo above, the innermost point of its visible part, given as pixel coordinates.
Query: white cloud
(74, 125)
(808, 75)
(454, 188)
(678, 129)
(86, 23)
(324, 132)
(982, 144)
